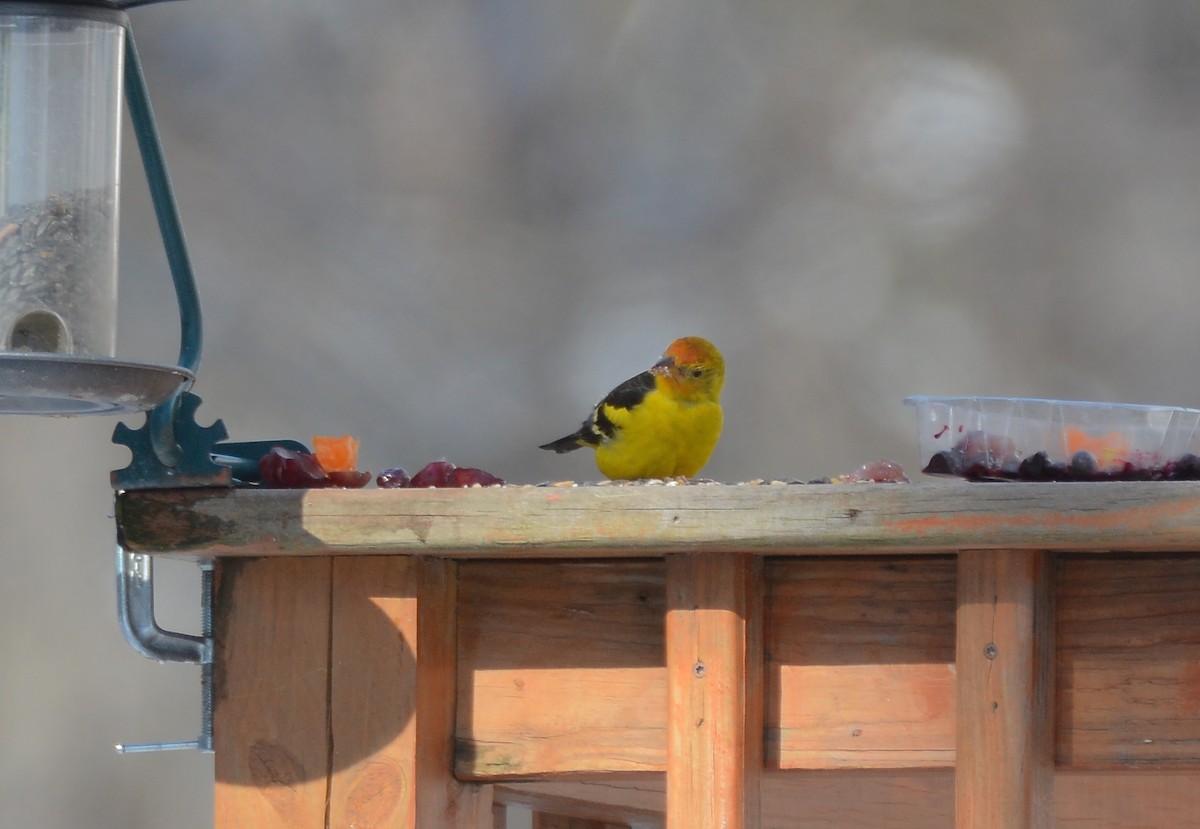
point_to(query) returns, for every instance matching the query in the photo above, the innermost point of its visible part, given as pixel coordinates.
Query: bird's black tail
(567, 444)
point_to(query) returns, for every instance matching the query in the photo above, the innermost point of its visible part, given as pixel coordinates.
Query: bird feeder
(62, 70)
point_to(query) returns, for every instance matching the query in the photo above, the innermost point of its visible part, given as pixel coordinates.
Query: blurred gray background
(449, 227)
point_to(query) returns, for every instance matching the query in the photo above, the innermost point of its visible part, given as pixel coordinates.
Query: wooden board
(1129, 662)
(562, 664)
(562, 671)
(653, 521)
(714, 691)
(860, 665)
(335, 696)
(270, 722)
(392, 697)
(813, 800)
(1004, 769)
(374, 649)
(894, 799)
(561, 668)
(1126, 799)
(635, 799)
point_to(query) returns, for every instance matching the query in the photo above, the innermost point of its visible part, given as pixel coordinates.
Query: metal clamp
(135, 612)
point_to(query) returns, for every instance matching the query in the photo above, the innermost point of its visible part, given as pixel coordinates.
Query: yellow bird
(663, 423)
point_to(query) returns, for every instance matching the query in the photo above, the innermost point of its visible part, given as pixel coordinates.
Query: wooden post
(715, 691)
(393, 694)
(272, 692)
(1005, 656)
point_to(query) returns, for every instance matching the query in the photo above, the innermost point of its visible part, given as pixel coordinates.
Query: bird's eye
(697, 372)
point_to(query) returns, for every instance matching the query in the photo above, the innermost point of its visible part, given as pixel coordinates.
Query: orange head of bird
(693, 368)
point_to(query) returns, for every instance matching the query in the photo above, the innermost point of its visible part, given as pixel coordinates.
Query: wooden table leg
(715, 691)
(1004, 774)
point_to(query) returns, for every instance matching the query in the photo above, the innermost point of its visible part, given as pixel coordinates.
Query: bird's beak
(663, 367)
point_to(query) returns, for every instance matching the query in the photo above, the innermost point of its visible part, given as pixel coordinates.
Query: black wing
(598, 427)
(631, 392)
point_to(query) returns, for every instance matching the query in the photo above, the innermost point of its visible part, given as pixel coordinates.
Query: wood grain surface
(653, 521)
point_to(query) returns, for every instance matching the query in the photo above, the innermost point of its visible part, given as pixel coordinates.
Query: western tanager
(663, 423)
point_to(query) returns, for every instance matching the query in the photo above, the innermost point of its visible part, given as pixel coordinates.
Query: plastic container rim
(916, 400)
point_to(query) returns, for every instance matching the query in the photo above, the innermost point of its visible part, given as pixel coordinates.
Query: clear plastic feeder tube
(60, 118)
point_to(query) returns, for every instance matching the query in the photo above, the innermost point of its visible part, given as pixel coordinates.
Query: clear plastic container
(1006, 438)
(60, 108)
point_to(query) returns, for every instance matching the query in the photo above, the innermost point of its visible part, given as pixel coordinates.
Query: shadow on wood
(561, 668)
(860, 662)
(319, 706)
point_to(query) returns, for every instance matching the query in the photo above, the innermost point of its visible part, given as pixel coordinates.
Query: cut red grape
(349, 478)
(441, 474)
(393, 478)
(283, 468)
(435, 473)
(469, 476)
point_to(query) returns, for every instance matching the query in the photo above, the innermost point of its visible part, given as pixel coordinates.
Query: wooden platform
(928, 655)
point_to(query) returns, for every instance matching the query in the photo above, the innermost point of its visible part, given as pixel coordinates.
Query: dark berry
(1084, 464)
(393, 478)
(947, 462)
(283, 468)
(468, 476)
(1131, 472)
(435, 473)
(1187, 468)
(349, 478)
(1037, 467)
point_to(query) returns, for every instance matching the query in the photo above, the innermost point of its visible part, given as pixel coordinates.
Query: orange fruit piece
(1108, 449)
(336, 454)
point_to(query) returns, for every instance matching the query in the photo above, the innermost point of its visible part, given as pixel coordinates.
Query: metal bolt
(990, 650)
(205, 740)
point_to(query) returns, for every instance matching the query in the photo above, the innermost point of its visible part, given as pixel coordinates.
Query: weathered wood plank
(270, 733)
(1004, 771)
(441, 799)
(392, 711)
(636, 799)
(1129, 662)
(860, 669)
(1139, 799)
(560, 668)
(373, 696)
(561, 665)
(897, 799)
(714, 690)
(813, 800)
(653, 521)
